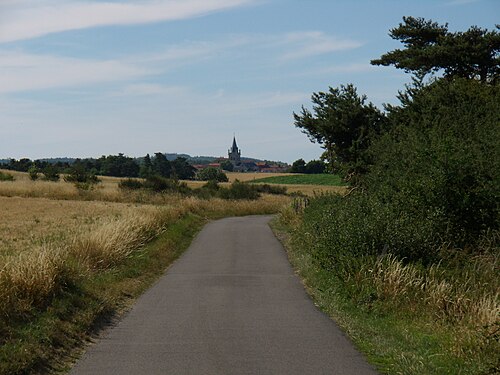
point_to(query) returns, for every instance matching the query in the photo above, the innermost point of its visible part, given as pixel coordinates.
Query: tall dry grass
(47, 243)
(458, 298)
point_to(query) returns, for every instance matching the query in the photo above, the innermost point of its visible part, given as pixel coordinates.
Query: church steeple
(234, 153)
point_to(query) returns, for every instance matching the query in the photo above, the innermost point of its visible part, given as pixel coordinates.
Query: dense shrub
(130, 184)
(270, 189)
(239, 190)
(163, 185)
(434, 184)
(212, 173)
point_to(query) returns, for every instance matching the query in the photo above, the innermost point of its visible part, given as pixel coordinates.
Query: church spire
(234, 148)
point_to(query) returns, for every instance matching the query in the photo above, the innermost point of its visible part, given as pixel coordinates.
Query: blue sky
(83, 78)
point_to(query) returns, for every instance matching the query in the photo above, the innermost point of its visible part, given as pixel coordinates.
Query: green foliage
(239, 190)
(50, 173)
(344, 125)
(118, 166)
(130, 184)
(146, 168)
(442, 159)
(211, 173)
(161, 184)
(227, 166)
(161, 166)
(33, 172)
(270, 189)
(6, 177)
(430, 47)
(181, 169)
(298, 166)
(79, 175)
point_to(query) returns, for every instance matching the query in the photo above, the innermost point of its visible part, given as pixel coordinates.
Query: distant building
(234, 153)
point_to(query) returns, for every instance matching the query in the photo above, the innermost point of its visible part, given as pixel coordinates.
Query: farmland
(70, 258)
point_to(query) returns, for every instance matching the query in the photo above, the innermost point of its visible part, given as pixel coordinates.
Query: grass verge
(404, 318)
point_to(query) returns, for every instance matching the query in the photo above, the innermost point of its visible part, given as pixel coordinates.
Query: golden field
(48, 227)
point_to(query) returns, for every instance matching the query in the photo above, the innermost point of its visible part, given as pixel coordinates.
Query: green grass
(393, 340)
(304, 179)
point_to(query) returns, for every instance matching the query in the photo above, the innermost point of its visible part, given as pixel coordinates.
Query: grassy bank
(67, 265)
(406, 317)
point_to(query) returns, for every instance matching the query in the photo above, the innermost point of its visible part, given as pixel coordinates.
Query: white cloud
(25, 19)
(312, 43)
(22, 71)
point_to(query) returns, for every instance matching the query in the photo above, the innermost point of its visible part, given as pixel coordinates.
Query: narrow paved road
(230, 305)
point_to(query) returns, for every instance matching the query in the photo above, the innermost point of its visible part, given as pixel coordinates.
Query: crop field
(69, 257)
(303, 179)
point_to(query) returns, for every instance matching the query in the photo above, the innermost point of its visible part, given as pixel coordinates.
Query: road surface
(230, 305)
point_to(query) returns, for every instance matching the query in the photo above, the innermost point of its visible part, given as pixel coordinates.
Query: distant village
(236, 163)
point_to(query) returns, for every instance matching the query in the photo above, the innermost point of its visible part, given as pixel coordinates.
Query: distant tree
(430, 47)
(78, 174)
(212, 174)
(343, 124)
(298, 166)
(118, 166)
(182, 169)
(315, 167)
(227, 166)
(146, 169)
(50, 173)
(161, 165)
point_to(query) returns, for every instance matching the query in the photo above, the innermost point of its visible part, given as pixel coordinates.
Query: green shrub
(212, 173)
(270, 189)
(162, 185)
(130, 184)
(33, 173)
(50, 173)
(239, 190)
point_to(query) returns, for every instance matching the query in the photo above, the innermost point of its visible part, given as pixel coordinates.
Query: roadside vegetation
(73, 258)
(407, 261)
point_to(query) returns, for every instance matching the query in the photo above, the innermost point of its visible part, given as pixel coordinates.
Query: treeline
(111, 165)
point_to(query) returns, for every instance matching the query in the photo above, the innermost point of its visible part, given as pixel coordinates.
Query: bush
(130, 184)
(212, 173)
(81, 177)
(270, 189)
(161, 185)
(239, 190)
(50, 173)
(33, 173)
(6, 177)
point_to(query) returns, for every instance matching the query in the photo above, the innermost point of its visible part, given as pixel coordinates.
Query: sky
(85, 78)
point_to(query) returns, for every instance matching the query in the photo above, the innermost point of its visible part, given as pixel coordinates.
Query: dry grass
(49, 231)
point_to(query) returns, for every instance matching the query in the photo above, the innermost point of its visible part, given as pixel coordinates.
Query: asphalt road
(230, 305)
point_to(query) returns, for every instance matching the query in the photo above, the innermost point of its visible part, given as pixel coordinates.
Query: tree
(315, 167)
(343, 124)
(146, 168)
(50, 173)
(161, 165)
(212, 174)
(430, 47)
(227, 166)
(182, 169)
(298, 166)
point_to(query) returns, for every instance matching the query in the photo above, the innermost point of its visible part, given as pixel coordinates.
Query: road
(230, 305)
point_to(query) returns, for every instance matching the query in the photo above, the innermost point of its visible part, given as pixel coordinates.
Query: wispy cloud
(312, 43)
(22, 71)
(461, 2)
(25, 19)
